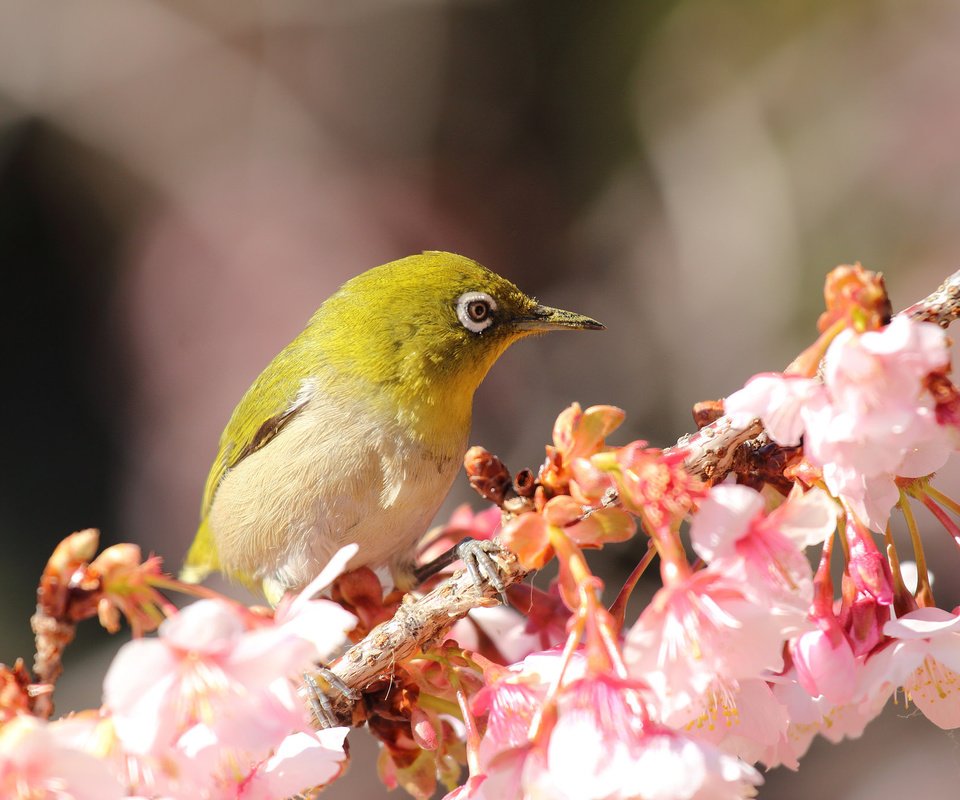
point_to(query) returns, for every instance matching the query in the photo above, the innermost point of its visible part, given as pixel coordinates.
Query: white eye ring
(475, 311)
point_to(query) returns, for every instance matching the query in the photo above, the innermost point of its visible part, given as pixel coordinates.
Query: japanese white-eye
(356, 430)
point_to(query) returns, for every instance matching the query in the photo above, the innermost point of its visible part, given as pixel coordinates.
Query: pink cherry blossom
(596, 740)
(812, 716)
(765, 551)
(511, 701)
(704, 627)
(201, 769)
(601, 746)
(208, 667)
(871, 420)
(41, 760)
(211, 705)
(742, 718)
(674, 767)
(577, 434)
(205, 668)
(925, 661)
(652, 483)
(878, 420)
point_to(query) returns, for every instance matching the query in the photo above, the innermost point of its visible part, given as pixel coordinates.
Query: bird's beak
(544, 318)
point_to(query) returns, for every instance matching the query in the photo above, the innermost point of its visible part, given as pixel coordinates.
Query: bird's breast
(340, 472)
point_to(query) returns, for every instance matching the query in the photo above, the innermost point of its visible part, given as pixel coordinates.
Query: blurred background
(182, 183)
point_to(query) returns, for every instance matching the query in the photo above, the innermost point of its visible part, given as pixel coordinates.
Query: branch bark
(418, 623)
(422, 621)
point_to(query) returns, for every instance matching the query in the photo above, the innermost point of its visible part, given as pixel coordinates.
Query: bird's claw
(475, 554)
(319, 685)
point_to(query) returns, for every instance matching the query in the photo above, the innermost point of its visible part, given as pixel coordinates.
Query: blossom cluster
(746, 651)
(208, 709)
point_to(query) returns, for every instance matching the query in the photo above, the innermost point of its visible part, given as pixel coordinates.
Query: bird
(356, 430)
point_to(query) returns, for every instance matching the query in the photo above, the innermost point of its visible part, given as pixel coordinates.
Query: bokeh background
(183, 182)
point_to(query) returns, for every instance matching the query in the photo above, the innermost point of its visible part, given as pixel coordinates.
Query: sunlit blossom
(733, 531)
(924, 660)
(872, 419)
(216, 691)
(703, 627)
(40, 760)
(601, 744)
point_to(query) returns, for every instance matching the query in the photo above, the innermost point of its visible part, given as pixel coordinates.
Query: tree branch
(941, 306)
(418, 623)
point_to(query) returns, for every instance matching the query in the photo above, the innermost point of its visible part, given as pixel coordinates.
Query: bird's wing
(275, 398)
(261, 415)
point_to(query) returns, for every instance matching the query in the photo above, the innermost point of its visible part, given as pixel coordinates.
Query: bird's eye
(478, 310)
(475, 311)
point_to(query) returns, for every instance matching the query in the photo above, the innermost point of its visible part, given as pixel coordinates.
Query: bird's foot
(320, 687)
(475, 554)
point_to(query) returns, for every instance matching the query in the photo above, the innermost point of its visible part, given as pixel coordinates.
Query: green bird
(356, 430)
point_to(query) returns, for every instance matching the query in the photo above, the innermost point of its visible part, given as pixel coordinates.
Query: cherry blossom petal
(210, 627)
(302, 760)
(923, 624)
(526, 537)
(925, 661)
(675, 768)
(334, 568)
(826, 666)
(776, 400)
(503, 625)
(603, 526)
(808, 518)
(748, 723)
(138, 689)
(935, 689)
(321, 625)
(724, 517)
(578, 433)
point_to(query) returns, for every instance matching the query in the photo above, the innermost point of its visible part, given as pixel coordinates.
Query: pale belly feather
(332, 476)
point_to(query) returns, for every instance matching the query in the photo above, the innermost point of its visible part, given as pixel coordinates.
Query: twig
(52, 637)
(417, 623)
(710, 451)
(941, 306)
(64, 597)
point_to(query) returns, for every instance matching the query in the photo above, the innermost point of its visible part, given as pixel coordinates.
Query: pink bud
(424, 731)
(867, 567)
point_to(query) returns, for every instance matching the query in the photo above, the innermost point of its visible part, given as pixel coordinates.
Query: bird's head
(426, 329)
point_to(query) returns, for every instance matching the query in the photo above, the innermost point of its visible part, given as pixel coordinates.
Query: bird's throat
(437, 416)
(436, 400)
